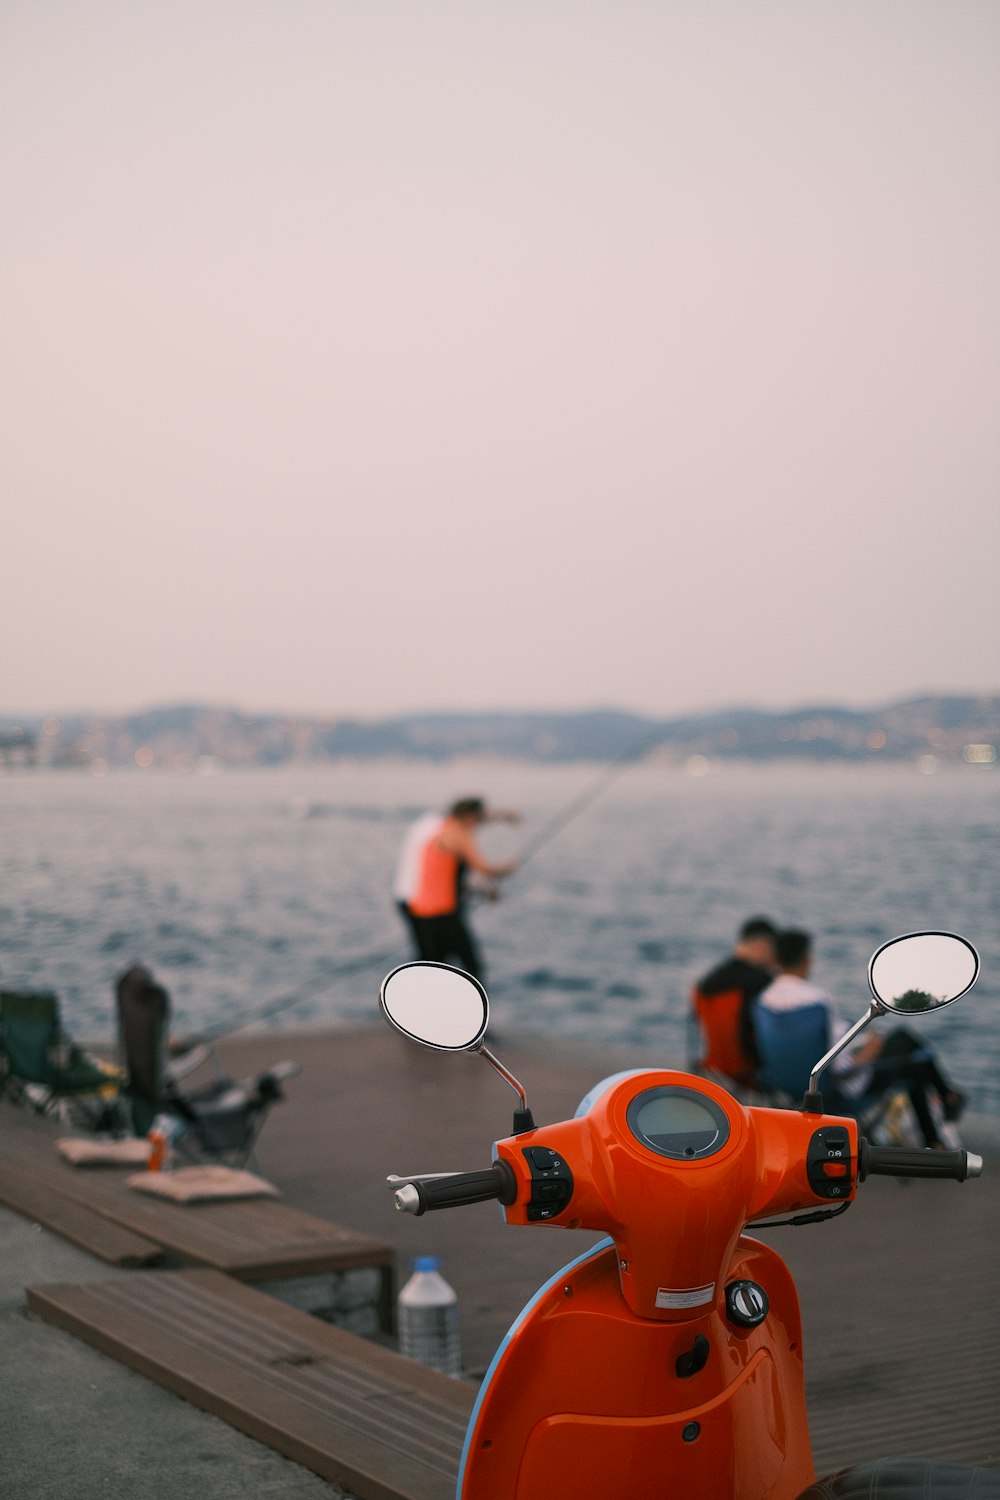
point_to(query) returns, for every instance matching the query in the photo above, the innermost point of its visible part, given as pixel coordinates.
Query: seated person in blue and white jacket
(879, 1063)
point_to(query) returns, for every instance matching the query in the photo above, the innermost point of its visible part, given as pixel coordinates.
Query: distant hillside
(943, 729)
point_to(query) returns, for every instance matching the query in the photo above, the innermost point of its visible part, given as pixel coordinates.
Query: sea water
(263, 895)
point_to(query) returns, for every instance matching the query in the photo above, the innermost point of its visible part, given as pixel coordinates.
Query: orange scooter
(667, 1360)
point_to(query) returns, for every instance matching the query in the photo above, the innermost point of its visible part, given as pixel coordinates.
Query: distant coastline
(932, 730)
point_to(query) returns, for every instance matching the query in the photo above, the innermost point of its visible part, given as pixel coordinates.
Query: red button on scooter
(835, 1169)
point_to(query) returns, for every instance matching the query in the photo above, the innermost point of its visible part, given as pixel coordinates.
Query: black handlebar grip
(906, 1161)
(460, 1188)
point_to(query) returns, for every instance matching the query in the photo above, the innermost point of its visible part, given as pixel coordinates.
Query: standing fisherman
(429, 887)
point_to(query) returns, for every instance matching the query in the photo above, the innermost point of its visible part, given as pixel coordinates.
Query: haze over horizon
(367, 360)
(694, 711)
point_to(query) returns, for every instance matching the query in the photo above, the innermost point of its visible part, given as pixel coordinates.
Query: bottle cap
(426, 1263)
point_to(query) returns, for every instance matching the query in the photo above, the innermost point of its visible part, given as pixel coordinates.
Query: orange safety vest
(719, 1017)
(436, 894)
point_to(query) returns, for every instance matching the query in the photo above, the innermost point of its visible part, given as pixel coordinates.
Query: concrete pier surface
(901, 1333)
(76, 1425)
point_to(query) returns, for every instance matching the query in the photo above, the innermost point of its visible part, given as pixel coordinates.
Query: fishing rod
(588, 795)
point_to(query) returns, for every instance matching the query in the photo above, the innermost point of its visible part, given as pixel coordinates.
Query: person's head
(471, 810)
(794, 950)
(756, 941)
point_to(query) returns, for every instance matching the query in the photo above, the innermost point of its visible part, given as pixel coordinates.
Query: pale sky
(359, 357)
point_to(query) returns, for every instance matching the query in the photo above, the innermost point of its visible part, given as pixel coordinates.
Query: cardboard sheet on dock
(87, 1152)
(202, 1184)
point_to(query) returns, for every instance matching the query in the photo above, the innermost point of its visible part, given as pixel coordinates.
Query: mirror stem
(522, 1115)
(812, 1101)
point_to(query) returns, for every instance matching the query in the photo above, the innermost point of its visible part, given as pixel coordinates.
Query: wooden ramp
(361, 1416)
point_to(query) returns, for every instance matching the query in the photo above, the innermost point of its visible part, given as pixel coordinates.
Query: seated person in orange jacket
(723, 998)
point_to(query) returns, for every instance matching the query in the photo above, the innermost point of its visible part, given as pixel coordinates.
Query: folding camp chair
(219, 1121)
(42, 1066)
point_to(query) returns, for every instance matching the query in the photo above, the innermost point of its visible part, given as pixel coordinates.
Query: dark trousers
(905, 1062)
(444, 940)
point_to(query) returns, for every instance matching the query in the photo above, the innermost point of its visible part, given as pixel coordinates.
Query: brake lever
(393, 1181)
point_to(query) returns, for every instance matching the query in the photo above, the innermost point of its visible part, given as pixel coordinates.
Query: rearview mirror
(436, 1005)
(922, 971)
(447, 1009)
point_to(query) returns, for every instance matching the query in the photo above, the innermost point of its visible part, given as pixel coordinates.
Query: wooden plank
(361, 1416)
(256, 1239)
(951, 1381)
(75, 1222)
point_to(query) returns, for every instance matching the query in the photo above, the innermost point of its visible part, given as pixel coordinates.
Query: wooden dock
(900, 1333)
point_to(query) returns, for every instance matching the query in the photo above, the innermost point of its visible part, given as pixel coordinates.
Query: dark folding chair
(42, 1066)
(221, 1120)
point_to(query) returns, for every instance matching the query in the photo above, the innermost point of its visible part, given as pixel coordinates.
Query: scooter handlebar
(420, 1195)
(903, 1161)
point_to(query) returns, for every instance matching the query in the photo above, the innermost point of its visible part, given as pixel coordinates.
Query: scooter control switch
(746, 1304)
(828, 1163)
(551, 1183)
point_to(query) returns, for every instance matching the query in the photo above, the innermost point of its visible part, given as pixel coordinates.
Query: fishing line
(358, 965)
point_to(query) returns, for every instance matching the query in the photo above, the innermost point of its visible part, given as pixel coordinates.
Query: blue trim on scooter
(597, 1249)
(588, 1101)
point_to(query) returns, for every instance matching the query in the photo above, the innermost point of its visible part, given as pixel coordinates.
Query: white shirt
(418, 835)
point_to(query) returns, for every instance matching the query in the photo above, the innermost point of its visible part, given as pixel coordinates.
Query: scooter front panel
(730, 1447)
(585, 1398)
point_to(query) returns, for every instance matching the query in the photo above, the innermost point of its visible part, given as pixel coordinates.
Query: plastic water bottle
(165, 1130)
(428, 1319)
